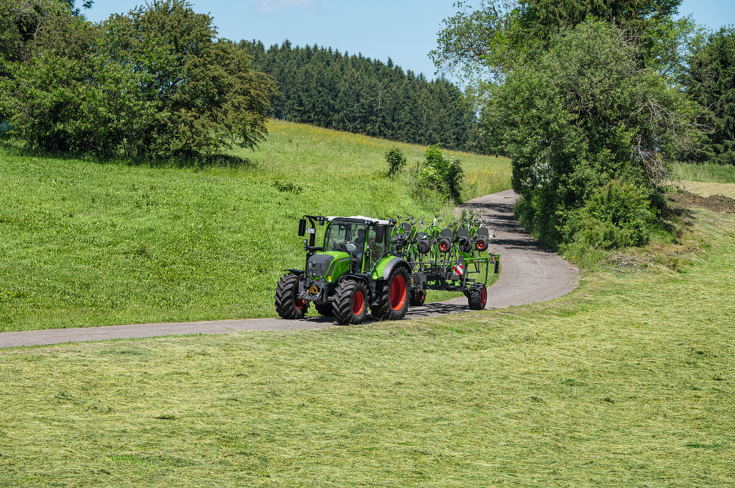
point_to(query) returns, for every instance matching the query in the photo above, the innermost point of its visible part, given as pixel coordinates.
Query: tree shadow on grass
(196, 161)
(218, 161)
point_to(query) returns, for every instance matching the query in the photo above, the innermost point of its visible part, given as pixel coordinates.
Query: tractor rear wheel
(477, 296)
(325, 310)
(393, 301)
(417, 298)
(287, 305)
(350, 302)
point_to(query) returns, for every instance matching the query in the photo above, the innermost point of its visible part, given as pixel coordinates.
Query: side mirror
(379, 233)
(302, 227)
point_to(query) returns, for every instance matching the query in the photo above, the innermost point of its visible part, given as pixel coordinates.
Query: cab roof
(361, 219)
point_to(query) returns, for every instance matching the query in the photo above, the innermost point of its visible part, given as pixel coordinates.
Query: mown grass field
(628, 381)
(88, 244)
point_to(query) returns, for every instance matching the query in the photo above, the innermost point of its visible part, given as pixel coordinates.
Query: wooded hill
(353, 93)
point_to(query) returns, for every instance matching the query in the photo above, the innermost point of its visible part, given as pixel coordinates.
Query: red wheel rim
(483, 297)
(358, 303)
(397, 292)
(443, 245)
(299, 303)
(422, 296)
(480, 245)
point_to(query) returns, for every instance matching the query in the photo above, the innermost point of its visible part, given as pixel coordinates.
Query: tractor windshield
(345, 237)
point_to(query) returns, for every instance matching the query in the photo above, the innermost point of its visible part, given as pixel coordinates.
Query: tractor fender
(359, 277)
(297, 272)
(392, 264)
(365, 278)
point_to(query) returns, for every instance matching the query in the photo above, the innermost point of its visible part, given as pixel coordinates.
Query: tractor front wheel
(394, 299)
(287, 305)
(350, 302)
(477, 296)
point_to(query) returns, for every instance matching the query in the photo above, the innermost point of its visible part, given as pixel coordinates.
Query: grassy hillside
(705, 172)
(626, 382)
(88, 244)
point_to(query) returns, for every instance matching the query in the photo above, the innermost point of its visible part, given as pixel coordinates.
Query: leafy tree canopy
(154, 82)
(495, 37)
(583, 114)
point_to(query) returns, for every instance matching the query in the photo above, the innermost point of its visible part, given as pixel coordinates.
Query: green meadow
(86, 243)
(628, 381)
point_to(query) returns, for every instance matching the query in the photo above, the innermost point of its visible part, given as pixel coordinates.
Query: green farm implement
(384, 265)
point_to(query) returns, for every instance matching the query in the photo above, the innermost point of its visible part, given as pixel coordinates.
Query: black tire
(395, 308)
(417, 298)
(350, 302)
(325, 310)
(477, 296)
(286, 304)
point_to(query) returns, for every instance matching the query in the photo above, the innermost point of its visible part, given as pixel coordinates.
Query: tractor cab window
(377, 248)
(345, 237)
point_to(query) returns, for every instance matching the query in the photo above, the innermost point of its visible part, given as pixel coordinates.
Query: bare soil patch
(716, 203)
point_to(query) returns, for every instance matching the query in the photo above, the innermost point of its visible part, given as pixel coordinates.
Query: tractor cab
(359, 238)
(352, 245)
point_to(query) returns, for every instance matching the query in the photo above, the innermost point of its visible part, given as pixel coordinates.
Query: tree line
(353, 93)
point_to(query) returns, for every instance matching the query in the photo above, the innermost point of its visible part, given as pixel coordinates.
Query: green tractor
(353, 270)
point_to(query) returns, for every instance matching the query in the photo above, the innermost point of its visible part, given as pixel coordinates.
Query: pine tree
(711, 82)
(327, 88)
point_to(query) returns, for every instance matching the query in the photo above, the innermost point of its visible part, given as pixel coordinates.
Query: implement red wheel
(416, 298)
(477, 296)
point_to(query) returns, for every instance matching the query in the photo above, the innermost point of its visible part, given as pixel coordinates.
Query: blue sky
(404, 30)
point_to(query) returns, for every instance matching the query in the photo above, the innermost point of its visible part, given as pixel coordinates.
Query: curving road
(531, 273)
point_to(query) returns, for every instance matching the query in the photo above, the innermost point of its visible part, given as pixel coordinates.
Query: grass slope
(626, 382)
(86, 244)
(704, 172)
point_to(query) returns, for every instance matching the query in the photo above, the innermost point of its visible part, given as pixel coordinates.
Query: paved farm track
(531, 273)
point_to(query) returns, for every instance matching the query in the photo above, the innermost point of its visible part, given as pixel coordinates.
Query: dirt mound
(716, 203)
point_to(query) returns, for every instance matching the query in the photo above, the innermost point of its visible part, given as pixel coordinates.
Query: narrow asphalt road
(530, 273)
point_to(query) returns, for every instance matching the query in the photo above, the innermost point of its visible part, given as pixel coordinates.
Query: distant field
(706, 172)
(86, 244)
(709, 189)
(295, 151)
(628, 381)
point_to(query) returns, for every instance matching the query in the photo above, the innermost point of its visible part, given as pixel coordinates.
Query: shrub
(441, 174)
(616, 215)
(396, 161)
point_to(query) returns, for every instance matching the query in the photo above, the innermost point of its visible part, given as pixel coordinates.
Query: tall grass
(705, 172)
(88, 244)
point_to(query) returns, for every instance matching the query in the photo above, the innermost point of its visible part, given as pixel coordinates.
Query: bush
(617, 215)
(442, 175)
(396, 161)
